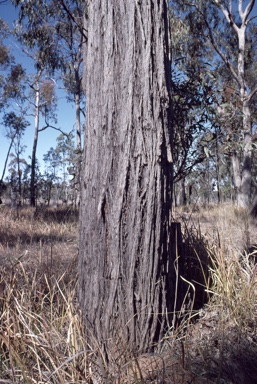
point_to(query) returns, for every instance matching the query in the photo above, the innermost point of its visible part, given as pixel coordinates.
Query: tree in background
(42, 98)
(53, 163)
(240, 69)
(192, 113)
(127, 246)
(228, 29)
(5, 62)
(15, 128)
(12, 77)
(39, 46)
(70, 29)
(60, 165)
(55, 29)
(194, 105)
(67, 150)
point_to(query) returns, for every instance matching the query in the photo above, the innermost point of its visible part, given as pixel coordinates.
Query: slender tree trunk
(181, 193)
(239, 24)
(244, 191)
(78, 140)
(77, 106)
(126, 257)
(217, 166)
(34, 150)
(19, 181)
(245, 179)
(7, 157)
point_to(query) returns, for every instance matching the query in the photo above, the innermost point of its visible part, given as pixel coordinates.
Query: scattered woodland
(134, 268)
(213, 94)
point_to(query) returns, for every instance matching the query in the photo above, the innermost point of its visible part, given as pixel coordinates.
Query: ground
(41, 334)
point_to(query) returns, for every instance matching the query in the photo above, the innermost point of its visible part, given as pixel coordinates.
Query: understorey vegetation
(212, 337)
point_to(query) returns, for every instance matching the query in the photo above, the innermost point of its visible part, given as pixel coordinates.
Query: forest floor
(41, 332)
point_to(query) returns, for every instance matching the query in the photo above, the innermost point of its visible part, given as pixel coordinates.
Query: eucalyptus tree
(39, 46)
(56, 29)
(194, 103)
(193, 115)
(13, 93)
(12, 74)
(12, 85)
(15, 127)
(127, 278)
(242, 69)
(53, 163)
(228, 28)
(66, 148)
(37, 34)
(71, 31)
(5, 61)
(44, 102)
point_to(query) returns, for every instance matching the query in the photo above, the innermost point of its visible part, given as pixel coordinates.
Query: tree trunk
(244, 178)
(34, 149)
(244, 191)
(243, 173)
(7, 158)
(244, 188)
(239, 21)
(181, 192)
(217, 167)
(126, 257)
(78, 141)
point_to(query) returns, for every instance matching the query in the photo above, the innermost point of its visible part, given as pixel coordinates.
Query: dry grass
(41, 333)
(221, 347)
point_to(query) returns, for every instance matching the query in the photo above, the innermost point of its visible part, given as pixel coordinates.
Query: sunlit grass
(42, 338)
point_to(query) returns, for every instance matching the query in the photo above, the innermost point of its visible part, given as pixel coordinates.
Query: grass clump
(41, 335)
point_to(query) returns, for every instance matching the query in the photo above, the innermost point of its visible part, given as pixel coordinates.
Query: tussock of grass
(41, 335)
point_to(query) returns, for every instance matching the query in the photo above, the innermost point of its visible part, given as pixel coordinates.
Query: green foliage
(201, 33)
(193, 95)
(16, 124)
(50, 29)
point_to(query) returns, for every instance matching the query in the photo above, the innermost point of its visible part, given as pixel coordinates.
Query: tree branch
(247, 11)
(228, 14)
(212, 39)
(251, 19)
(82, 30)
(53, 127)
(220, 53)
(240, 8)
(254, 91)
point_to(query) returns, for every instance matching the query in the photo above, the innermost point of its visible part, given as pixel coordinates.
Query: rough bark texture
(127, 279)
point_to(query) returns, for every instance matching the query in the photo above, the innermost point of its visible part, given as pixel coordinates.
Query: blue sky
(65, 113)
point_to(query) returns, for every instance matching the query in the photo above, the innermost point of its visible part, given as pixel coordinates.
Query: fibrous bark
(126, 272)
